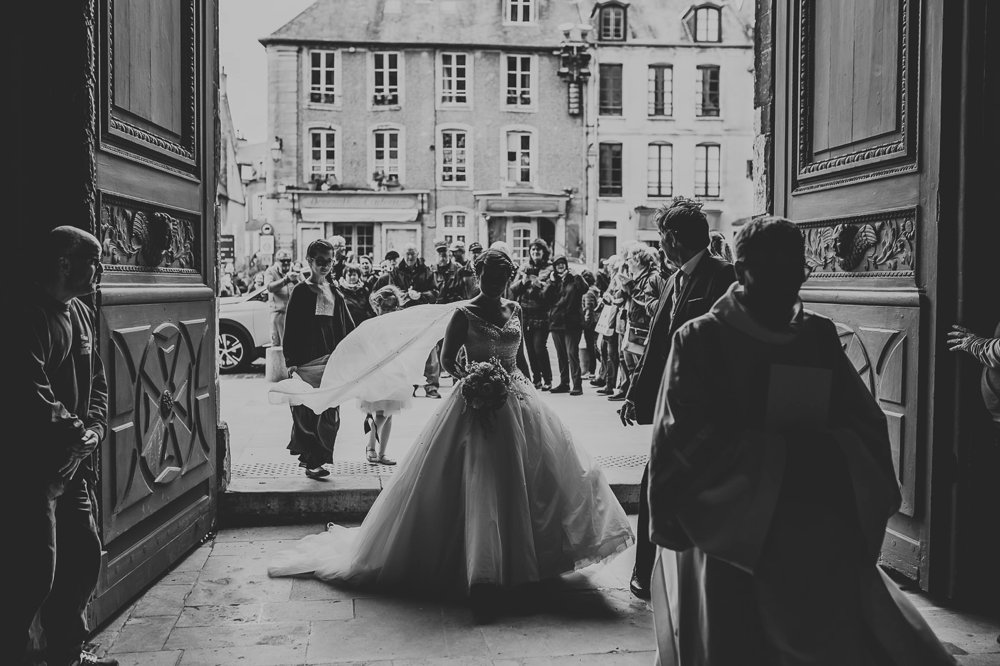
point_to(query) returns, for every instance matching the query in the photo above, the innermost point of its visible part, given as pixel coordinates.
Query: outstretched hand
(959, 338)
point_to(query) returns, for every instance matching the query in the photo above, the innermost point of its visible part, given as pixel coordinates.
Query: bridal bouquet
(485, 388)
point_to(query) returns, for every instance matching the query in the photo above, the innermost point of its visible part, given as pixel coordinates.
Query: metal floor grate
(270, 470)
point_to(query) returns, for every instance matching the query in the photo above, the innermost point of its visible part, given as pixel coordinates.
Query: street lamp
(574, 58)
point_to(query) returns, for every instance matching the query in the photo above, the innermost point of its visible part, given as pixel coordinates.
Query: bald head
(66, 241)
(71, 261)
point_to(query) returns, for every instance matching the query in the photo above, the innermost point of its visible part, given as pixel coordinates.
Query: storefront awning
(395, 215)
(524, 213)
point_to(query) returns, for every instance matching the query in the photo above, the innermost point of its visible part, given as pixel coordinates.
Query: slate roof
(462, 22)
(480, 22)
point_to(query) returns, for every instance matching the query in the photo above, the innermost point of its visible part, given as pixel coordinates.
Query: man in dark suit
(699, 281)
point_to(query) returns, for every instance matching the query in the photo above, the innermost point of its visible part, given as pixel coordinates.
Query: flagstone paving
(217, 606)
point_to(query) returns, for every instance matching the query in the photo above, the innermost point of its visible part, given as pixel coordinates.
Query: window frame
(440, 151)
(609, 9)
(603, 190)
(601, 108)
(337, 79)
(400, 131)
(462, 233)
(373, 90)
(440, 79)
(667, 91)
(533, 156)
(521, 255)
(699, 92)
(706, 192)
(508, 5)
(352, 238)
(661, 191)
(532, 59)
(718, 24)
(337, 150)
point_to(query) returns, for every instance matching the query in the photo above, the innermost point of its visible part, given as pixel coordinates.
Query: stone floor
(219, 607)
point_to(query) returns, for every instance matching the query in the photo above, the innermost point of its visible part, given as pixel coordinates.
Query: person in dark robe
(771, 483)
(316, 321)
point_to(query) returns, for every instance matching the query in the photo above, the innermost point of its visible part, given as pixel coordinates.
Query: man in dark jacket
(416, 280)
(699, 281)
(564, 293)
(61, 413)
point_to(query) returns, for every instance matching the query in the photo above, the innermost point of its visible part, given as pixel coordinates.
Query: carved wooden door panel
(155, 98)
(855, 165)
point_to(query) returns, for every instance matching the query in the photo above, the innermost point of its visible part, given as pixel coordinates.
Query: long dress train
(507, 501)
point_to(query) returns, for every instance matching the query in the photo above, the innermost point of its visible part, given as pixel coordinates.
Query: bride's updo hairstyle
(496, 262)
(494, 270)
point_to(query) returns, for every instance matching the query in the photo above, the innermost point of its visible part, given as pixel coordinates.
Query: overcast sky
(241, 24)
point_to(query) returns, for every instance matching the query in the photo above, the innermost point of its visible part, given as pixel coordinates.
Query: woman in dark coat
(564, 293)
(356, 293)
(528, 288)
(316, 320)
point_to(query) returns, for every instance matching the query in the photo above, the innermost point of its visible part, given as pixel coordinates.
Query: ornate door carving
(154, 108)
(849, 145)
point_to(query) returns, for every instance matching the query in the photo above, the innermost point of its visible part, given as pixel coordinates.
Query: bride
(477, 503)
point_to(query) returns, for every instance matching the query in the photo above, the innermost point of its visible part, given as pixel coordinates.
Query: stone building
(672, 104)
(231, 197)
(253, 172)
(415, 121)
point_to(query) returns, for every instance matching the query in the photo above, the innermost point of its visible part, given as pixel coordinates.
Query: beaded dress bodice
(487, 340)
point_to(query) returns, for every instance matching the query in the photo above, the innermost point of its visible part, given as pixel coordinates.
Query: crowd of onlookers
(598, 322)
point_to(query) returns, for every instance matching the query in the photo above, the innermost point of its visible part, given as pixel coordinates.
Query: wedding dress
(507, 501)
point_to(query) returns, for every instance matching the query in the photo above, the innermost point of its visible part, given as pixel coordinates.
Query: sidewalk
(219, 607)
(269, 488)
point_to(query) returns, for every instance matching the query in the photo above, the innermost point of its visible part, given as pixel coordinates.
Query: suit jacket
(707, 284)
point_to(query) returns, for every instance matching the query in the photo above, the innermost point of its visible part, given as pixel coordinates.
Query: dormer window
(519, 11)
(611, 23)
(707, 24)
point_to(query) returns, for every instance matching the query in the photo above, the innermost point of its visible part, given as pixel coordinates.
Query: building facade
(397, 122)
(231, 197)
(672, 104)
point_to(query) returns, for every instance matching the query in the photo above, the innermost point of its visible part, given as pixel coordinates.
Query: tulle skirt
(505, 501)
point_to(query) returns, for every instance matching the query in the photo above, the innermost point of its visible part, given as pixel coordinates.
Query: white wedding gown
(505, 503)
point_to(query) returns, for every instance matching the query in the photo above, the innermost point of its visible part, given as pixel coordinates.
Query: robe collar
(731, 310)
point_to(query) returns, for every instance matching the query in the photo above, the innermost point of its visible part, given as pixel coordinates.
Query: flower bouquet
(486, 388)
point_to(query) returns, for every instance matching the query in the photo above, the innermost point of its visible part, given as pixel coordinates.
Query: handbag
(606, 321)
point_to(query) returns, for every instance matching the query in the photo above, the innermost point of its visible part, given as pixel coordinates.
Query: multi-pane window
(386, 79)
(322, 154)
(706, 94)
(322, 77)
(661, 90)
(518, 80)
(454, 78)
(454, 162)
(519, 157)
(660, 170)
(519, 11)
(521, 237)
(387, 158)
(707, 24)
(707, 170)
(454, 226)
(360, 237)
(612, 23)
(610, 165)
(610, 103)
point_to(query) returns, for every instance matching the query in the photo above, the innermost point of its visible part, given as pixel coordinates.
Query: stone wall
(763, 102)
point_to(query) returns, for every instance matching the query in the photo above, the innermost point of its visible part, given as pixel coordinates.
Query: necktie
(678, 286)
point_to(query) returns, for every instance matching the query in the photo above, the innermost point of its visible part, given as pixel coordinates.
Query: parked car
(244, 329)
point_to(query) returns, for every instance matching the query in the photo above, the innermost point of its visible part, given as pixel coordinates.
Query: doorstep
(281, 494)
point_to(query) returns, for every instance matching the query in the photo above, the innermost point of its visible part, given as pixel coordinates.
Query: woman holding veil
(493, 492)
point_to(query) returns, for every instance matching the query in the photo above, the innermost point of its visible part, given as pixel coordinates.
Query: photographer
(280, 279)
(528, 288)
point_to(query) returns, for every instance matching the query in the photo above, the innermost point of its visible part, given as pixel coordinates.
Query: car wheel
(235, 350)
